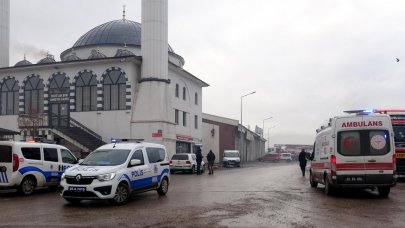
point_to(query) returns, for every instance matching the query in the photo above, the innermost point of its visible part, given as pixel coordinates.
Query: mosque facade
(107, 86)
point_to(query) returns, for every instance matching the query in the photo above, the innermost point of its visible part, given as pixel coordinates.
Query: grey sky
(307, 60)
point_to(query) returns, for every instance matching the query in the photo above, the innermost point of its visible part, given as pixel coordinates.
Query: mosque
(120, 80)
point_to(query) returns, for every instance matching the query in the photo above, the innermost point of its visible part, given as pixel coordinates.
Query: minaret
(4, 33)
(153, 111)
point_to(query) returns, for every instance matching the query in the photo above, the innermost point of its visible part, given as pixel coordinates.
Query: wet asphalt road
(258, 195)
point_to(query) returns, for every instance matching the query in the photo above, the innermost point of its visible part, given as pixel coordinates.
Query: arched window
(184, 93)
(114, 90)
(9, 97)
(86, 92)
(34, 95)
(177, 90)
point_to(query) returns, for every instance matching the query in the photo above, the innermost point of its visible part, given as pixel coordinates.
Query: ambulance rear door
(350, 163)
(379, 154)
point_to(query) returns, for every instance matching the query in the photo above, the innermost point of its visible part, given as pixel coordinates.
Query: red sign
(184, 138)
(157, 135)
(363, 124)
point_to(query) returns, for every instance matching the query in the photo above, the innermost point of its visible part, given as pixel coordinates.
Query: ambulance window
(67, 157)
(51, 154)
(349, 143)
(5, 154)
(379, 142)
(138, 155)
(31, 153)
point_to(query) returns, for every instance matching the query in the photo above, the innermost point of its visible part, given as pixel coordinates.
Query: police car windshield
(106, 157)
(231, 154)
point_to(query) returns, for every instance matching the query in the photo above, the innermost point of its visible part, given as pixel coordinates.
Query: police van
(114, 171)
(26, 165)
(356, 151)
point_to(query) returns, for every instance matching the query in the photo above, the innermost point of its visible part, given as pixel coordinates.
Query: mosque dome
(95, 54)
(71, 57)
(48, 59)
(117, 32)
(23, 62)
(123, 53)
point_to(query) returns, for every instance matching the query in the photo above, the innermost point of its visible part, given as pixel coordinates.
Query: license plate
(77, 189)
(354, 179)
(400, 155)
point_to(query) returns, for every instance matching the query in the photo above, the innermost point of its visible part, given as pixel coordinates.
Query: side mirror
(135, 162)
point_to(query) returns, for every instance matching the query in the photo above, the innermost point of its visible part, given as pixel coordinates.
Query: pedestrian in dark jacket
(199, 158)
(211, 160)
(302, 157)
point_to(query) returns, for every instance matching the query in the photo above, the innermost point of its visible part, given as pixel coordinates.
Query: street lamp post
(263, 125)
(241, 123)
(263, 152)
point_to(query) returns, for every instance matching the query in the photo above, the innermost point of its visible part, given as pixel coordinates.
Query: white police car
(116, 170)
(28, 165)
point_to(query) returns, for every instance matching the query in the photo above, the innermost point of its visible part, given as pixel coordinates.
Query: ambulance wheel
(384, 191)
(73, 201)
(313, 183)
(164, 187)
(329, 190)
(122, 195)
(27, 186)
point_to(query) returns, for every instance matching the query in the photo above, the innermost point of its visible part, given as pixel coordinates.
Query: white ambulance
(114, 171)
(356, 151)
(25, 165)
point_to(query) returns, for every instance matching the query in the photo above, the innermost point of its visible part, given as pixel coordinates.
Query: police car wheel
(122, 195)
(164, 187)
(27, 186)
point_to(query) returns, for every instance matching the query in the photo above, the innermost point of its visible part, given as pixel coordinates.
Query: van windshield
(231, 154)
(5, 154)
(399, 135)
(363, 143)
(106, 157)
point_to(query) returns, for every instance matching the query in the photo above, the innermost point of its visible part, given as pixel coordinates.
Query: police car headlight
(106, 177)
(63, 176)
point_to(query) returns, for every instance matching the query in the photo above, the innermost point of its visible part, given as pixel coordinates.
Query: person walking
(199, 158)
(302, 158)
(211, 160)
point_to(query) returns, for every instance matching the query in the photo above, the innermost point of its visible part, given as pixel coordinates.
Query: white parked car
(185, 162)
(26, 165)
(114, 171)
(286, 157)
(231, 158)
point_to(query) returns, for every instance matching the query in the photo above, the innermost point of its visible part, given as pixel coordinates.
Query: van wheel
(73, 201)
(122, 195)
(313, 183)
(27, 186)
(164, 187)
(193, 169)
(384, 191)
(329, 190)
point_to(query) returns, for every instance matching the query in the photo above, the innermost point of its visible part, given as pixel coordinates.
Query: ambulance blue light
(114, 140)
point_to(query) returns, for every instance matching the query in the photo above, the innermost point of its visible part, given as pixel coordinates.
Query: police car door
(139, 175)
(158, 162)
(6, 164)
(51, 165)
